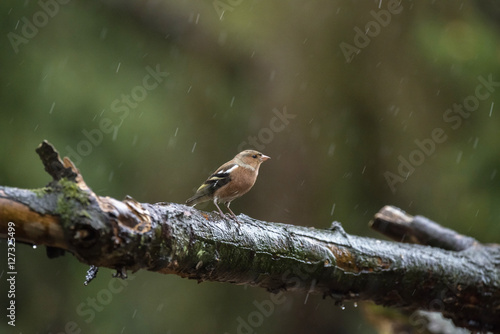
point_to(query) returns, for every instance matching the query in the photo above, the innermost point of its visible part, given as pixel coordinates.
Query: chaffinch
(230, 181)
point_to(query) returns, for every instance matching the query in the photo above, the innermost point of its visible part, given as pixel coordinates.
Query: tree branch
(399, 226)
(458, 272)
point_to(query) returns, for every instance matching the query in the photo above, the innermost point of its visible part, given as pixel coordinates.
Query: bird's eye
(254, 156)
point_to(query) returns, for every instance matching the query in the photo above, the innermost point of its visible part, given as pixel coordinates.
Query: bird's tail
(191, 201)
(196, 199)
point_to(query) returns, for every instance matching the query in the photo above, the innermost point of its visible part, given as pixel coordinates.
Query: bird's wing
(217, 180)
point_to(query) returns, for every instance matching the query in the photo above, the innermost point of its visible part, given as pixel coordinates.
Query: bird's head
(251, 158)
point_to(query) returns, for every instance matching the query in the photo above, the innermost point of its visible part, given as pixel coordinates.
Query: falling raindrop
(459, 157)
(491, 109)
(115, 133)
(194, 146)
(104, 32)
(333, 209)
(355, 304)
(475, 142)
(272, 75)
(52, 108)
(331, 150)
(118, 68)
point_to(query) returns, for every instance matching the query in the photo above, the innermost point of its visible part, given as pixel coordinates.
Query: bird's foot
(233, 217)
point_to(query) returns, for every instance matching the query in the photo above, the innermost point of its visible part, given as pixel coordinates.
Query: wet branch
(457, 271)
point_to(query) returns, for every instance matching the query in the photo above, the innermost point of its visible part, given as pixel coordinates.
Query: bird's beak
(264, 158)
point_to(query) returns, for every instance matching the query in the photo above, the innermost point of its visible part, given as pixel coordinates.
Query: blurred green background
(338, 111)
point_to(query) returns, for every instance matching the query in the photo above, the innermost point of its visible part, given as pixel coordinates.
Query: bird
(230, 181)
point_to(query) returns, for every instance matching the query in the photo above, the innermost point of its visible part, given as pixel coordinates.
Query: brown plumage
(230, 181)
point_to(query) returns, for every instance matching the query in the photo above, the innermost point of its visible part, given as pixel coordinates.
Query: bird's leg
(232, 213)
(233, 216)
(220, 211)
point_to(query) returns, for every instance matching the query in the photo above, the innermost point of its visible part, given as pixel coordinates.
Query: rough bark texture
(457, 276)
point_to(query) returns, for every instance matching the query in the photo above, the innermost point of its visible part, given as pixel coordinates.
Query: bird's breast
(237, 187)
